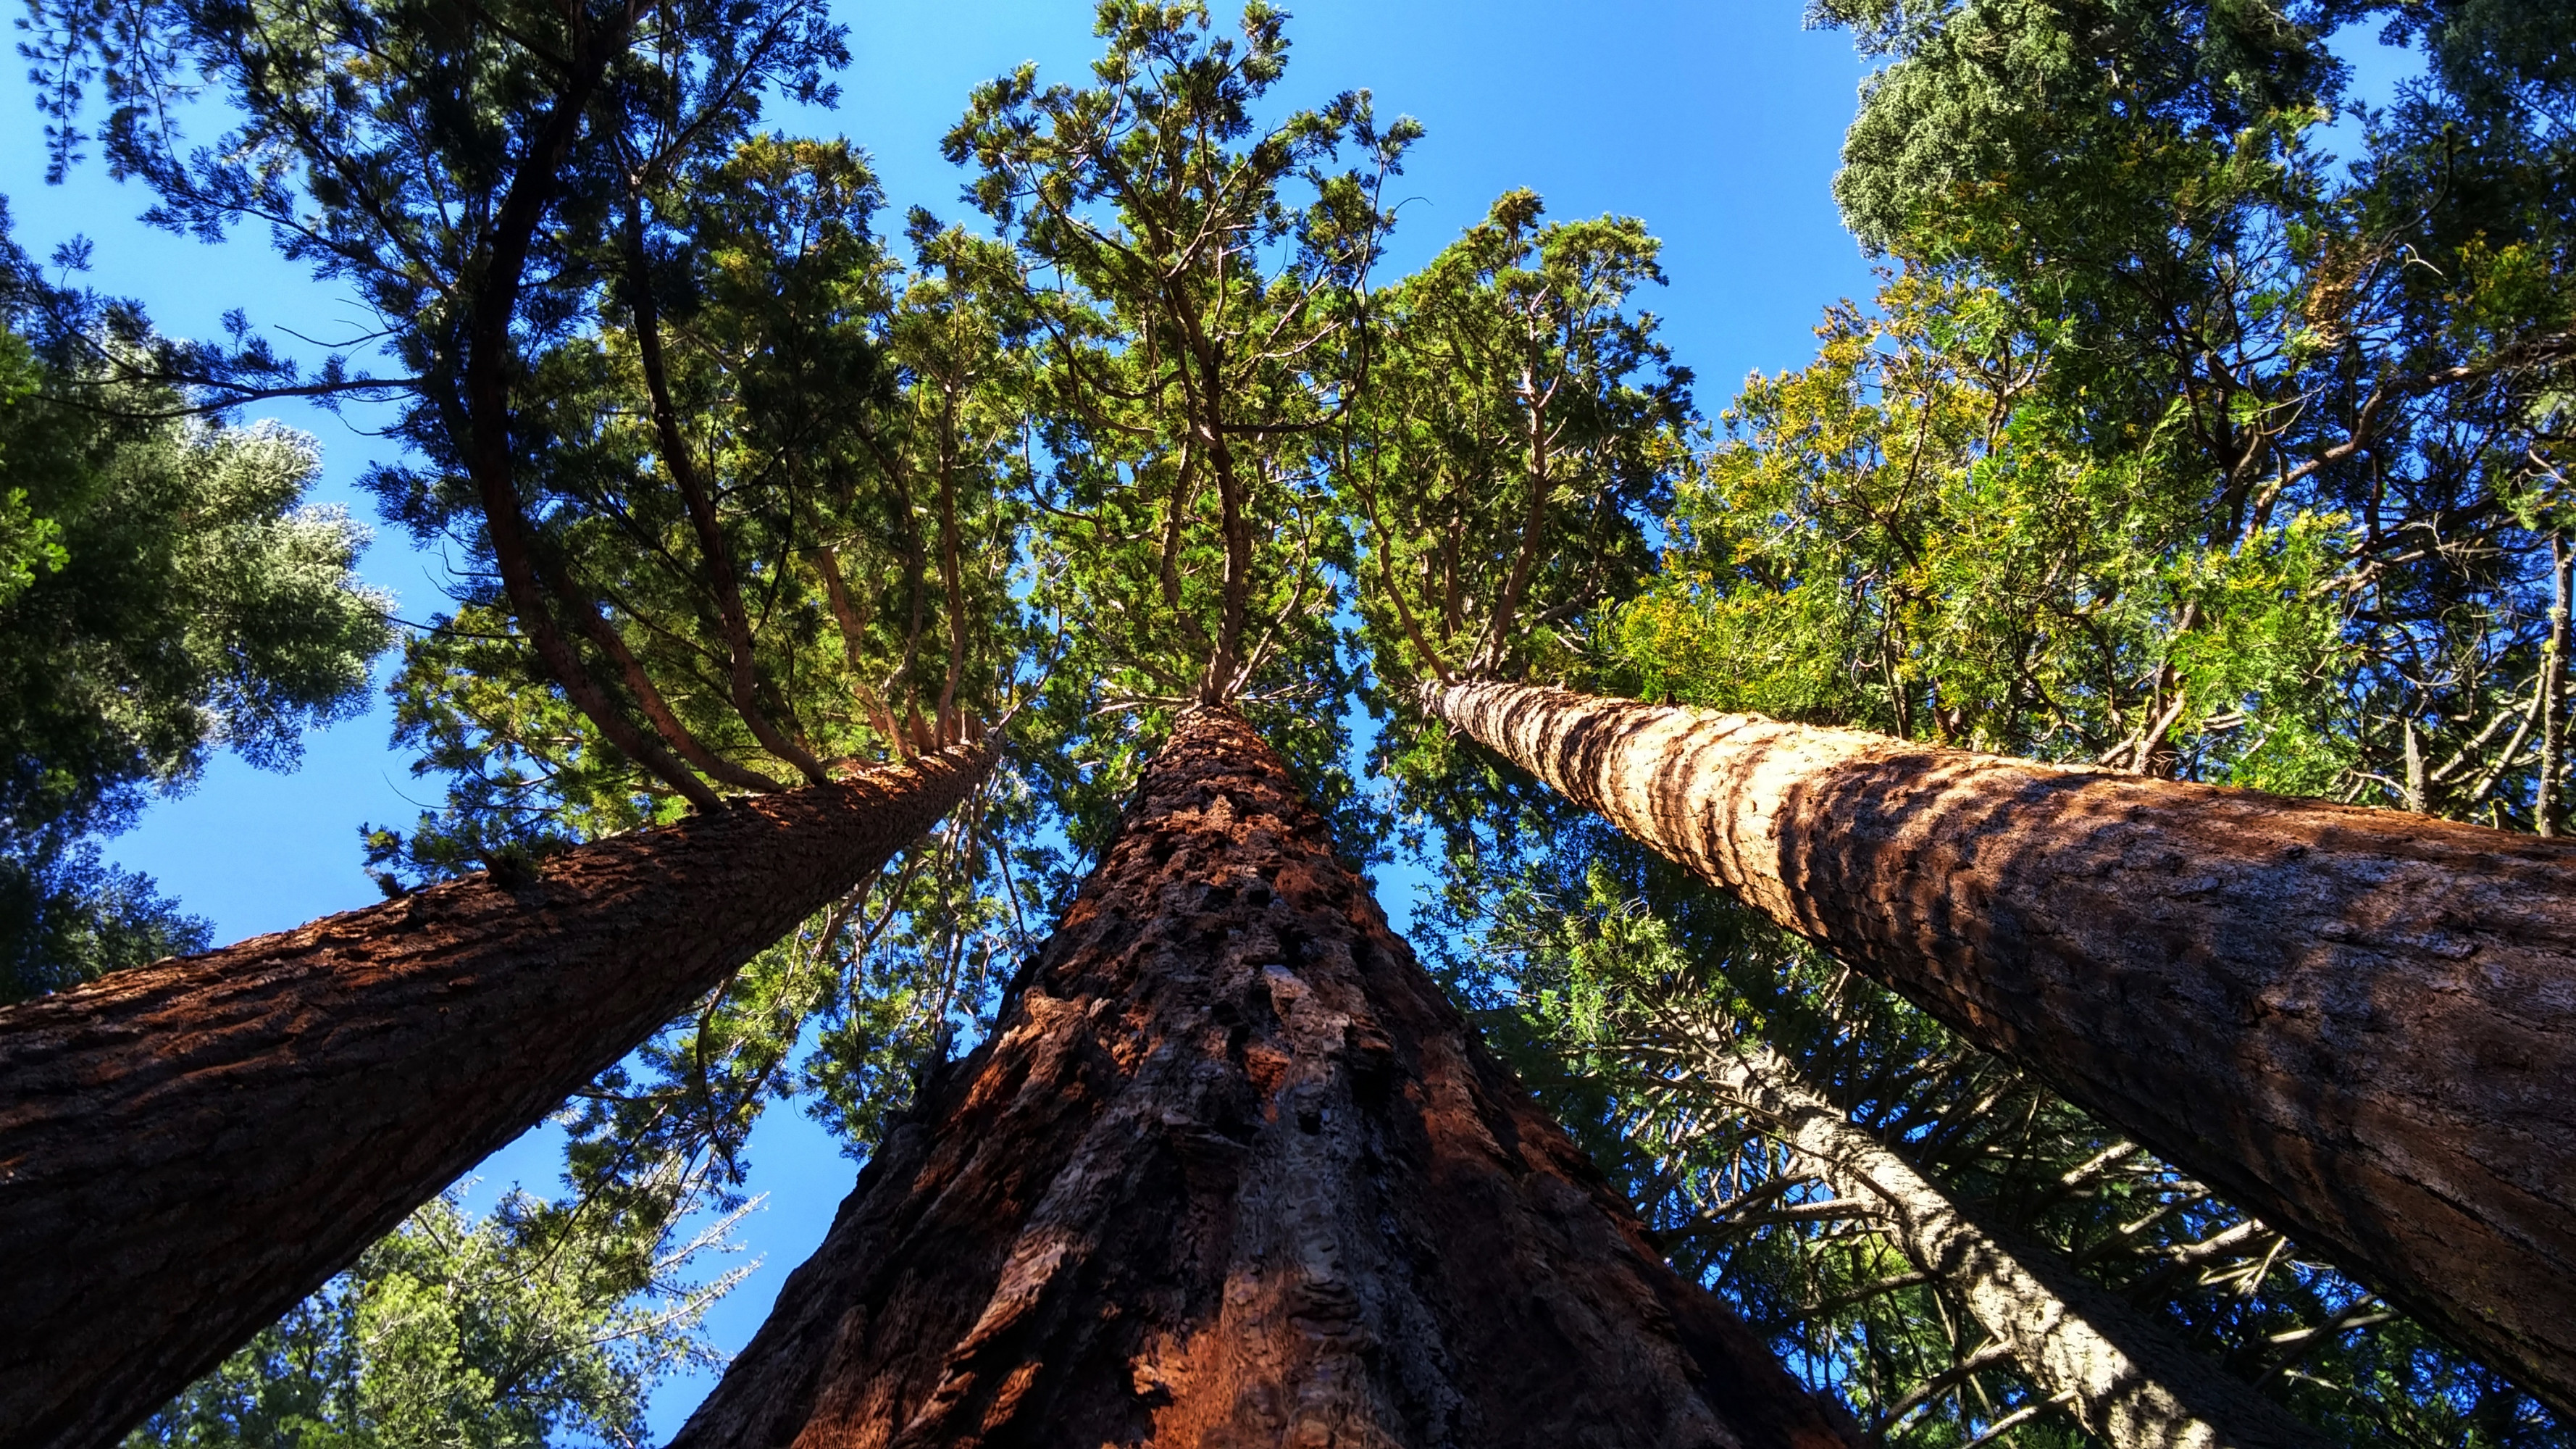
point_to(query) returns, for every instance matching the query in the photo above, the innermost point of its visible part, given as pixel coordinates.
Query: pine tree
(164, 593)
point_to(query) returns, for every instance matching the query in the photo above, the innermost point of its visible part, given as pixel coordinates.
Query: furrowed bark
(2125, 1376)
(2356, 1024)
(1231, 1169)
(188, 1148)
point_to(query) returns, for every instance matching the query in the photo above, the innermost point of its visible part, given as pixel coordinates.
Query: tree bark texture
(2359, 1025)
(1232, 1170)
(188, 1148)
(2125, 1376)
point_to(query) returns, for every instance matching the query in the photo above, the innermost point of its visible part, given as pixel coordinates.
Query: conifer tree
(164, 593)
(2031, 525)
(507, 193)
(1607, 993)
(1227, 1167)
(1983, 519)
(2034, 909)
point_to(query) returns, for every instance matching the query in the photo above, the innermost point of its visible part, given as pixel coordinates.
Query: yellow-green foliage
(1909, 535)
(515, 1329)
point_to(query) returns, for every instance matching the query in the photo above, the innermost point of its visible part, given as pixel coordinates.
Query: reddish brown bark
(1232, 1170)
(2358, 1024)
(188, 1148)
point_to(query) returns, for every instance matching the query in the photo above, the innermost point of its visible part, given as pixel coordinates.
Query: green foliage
(2052, 127)
(1197, 274)
(195, 606)
(67, 916)
(1520, 422)
(539, 1323)
(164, 593)
(2245, 333)
(29, 544)
(1521, 428)
(852, 561)
(1910, 535)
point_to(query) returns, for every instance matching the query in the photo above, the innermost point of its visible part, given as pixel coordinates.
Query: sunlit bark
(1231, 1170)
(2359, 1025)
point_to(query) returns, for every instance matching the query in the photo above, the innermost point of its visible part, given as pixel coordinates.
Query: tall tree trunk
(188, 1148)
(1231, 1169)
(2125, 1376)
(2358, 1025)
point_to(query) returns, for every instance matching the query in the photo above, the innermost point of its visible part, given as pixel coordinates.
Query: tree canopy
(2171, 443)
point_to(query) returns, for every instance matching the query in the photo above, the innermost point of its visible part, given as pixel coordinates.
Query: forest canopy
(2206, 425)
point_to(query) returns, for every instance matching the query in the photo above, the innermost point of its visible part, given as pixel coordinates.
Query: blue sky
(1718, 123)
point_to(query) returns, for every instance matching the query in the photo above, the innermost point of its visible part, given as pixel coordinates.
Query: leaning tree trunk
(1231, 1170)
(2126, 1377)
(2357, 1024)
(189, 1147)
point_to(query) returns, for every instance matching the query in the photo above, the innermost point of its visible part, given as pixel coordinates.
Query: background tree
(2379, 350)
(1914, 534)
(528, 1324)
(164, 593)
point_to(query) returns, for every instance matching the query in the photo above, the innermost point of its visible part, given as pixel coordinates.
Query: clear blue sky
(1716, 122)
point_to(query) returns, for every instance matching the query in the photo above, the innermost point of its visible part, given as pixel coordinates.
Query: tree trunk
(2125, 1376)
(1231, 1169)
(2358, 1025)
(188, 1148)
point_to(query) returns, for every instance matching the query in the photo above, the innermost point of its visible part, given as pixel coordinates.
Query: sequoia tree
(1226, 1163)
(511, 190)
(2153, 457)
(1933, 530)
(1230, 1165)
(2359, 1018)
(195, 1145)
